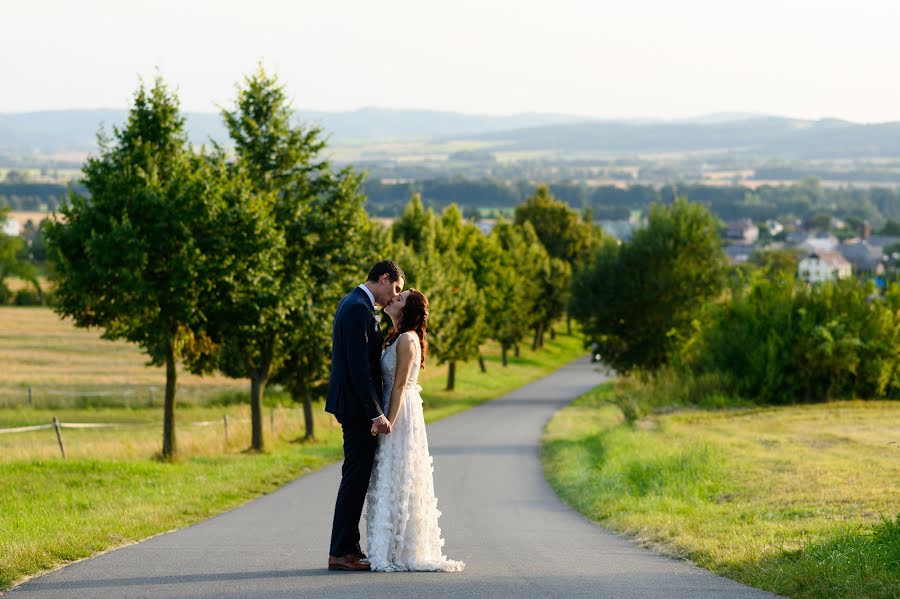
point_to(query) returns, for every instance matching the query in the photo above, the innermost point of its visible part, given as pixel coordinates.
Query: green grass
(802, 501)
(110, 491)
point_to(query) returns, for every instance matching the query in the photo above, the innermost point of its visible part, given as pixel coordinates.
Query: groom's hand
(381, 426)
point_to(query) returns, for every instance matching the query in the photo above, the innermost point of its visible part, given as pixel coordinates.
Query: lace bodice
(389, 366)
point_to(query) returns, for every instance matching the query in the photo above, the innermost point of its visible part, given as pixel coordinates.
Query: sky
(624, 59)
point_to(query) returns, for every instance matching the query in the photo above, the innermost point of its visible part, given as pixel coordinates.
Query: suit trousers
(359, 455)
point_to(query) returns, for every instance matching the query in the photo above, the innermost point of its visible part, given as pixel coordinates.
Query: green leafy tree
(10, 263)
(134, 258)
(456, 320)
(564, 233)
(517, 284)
(289, 178)
(328, 241)
(568, 237)
(639, 300)
(416, 227)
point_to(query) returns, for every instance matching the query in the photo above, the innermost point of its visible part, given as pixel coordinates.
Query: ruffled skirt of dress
(402, 515)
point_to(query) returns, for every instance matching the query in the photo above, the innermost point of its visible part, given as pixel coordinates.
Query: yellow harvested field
(59, 361)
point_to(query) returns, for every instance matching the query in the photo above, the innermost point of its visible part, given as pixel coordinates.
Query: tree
(516, 285)
(10, 263)
(416, 227)
(281, 162)
(134, 258)
(568, 237)
(564, 233)
(329, 240)
(456, 320)
(638, 300)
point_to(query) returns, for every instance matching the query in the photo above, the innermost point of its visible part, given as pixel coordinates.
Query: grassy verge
(802, 501)
(109, 491)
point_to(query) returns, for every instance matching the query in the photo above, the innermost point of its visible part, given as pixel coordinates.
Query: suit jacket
(354, 385)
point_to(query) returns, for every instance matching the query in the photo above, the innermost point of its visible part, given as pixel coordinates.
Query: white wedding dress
(402, 514)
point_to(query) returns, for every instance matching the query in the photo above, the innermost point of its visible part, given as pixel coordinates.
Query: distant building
(774, 227)
(486, 225)
(743, 231)
(739, 252)
(620, 229)
(823, 266)
(864, 257)
(11, 227)
(823, 243)
(883, 240)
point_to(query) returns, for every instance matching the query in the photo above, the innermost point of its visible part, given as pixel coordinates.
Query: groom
(355, 399)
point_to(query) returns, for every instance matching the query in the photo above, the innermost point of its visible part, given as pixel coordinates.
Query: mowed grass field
(803, 501)
(110, 490)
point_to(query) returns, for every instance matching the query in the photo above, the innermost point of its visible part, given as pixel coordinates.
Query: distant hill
(764, 136)
(76, 130)
(54, 132)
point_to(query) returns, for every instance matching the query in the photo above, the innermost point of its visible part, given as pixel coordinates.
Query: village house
(823, 266)
(865, 257)
(742, 231)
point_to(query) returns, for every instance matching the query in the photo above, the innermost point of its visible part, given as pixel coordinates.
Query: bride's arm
(406, 351)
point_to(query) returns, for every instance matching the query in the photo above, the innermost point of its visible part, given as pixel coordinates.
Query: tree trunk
(169, 448)
(516, 350)
(257, 387)
(503, 349)
(552, 334)
(451, 376)
(258, 380)
(534, 342)
(568, 324)
(481, 363)
(308, 415)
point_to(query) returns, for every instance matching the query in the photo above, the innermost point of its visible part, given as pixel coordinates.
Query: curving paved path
(500, 516)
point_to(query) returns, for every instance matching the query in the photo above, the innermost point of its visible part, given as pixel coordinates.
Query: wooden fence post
(225, 422)
(272, 420)
(59, 437)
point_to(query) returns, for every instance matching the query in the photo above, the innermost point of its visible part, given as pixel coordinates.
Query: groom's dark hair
(388, 267)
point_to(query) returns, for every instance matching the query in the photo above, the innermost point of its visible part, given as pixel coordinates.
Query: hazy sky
(629, 58)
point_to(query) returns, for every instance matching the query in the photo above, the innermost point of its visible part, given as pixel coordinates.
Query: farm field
(68, 366)
(110, 490)
(799, 500)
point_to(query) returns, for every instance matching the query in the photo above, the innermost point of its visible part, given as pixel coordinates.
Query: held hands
(381, 426)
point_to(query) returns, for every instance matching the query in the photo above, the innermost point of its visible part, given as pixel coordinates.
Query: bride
(402, 516)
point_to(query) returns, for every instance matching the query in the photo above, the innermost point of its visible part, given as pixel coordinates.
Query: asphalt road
(499, 516)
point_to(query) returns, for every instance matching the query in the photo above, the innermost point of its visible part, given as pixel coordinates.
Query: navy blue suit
(355, 399)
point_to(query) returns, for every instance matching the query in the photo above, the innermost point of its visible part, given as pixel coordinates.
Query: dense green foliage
(296, 247)
(236, 260)
(137, 257)
(639, 298)
(780, 341)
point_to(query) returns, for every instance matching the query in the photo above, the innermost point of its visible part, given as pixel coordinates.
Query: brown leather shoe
(349, 562)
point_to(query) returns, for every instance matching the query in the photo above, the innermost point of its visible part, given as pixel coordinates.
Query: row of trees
(214, 260)
(667, 300)
(803, 199)
(235, 258)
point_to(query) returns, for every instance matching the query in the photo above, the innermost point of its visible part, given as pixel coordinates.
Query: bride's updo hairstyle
(413, 318)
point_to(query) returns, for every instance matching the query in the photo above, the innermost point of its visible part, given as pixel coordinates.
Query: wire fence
(280, 415)
(128, 397)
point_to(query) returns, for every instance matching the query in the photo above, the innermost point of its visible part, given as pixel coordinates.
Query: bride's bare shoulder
(407, 341)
